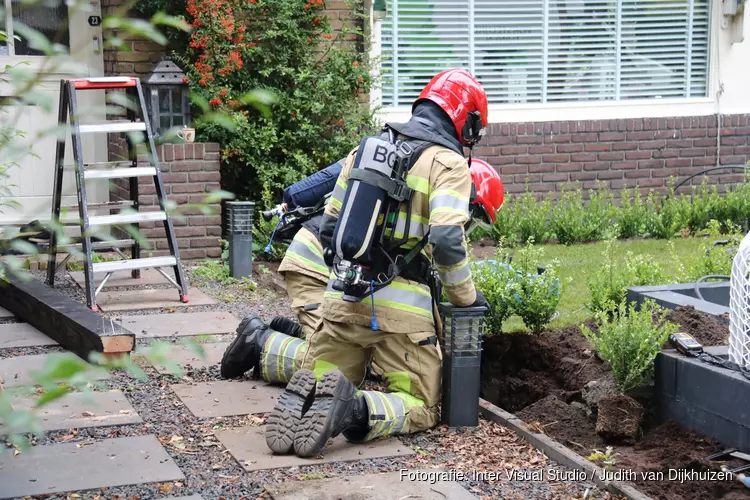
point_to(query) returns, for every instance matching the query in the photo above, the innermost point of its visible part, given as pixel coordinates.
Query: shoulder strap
(411, 255)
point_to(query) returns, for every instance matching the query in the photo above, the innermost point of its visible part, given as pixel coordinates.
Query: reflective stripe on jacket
(305, 256)
(442, 185)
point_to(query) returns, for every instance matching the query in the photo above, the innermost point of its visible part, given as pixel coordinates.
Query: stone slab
(5, 314)
(181, 324)
(248, 446)
(22, 335)
(65, 467)
(228, 399)
(78, 410)
(124, 278)
(191, 497)
(129, 300)
(389, 486)
(16, 371)
(184, 356)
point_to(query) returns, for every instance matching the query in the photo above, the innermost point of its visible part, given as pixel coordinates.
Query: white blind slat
(659, 49)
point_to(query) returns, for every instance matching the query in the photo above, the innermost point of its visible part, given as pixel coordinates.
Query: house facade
(627, 93)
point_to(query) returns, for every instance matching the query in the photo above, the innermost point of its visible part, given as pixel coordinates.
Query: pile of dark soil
(520, 369)
(541, 378)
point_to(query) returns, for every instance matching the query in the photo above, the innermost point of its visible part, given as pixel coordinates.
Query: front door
(30, 183)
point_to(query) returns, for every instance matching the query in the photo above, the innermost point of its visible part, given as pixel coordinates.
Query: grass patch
(578, 263)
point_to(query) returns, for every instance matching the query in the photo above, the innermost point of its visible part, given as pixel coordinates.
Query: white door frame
(35, 178)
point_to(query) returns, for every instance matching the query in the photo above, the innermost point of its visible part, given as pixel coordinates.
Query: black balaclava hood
(430, 123)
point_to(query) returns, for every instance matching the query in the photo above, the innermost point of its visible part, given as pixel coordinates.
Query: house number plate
(95, 20)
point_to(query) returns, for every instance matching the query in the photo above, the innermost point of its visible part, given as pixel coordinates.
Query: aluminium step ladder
(137, 122)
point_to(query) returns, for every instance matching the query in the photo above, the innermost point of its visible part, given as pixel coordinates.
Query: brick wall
(190, 173)
(138, 55)
(619, 153)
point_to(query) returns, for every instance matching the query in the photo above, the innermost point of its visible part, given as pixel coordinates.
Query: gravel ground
(213, 473)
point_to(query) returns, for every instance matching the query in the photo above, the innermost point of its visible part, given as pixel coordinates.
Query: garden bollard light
(463, 328)
(240, 215)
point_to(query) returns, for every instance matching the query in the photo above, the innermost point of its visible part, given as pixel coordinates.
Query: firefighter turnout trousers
(306, 276)
(411, 366)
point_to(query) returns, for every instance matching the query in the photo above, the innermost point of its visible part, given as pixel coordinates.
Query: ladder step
(95, 245)
(104, 204)
(104, 82)
(126, 218)
(126, 265)
(103, 164)
(116, 173)
(113, 127)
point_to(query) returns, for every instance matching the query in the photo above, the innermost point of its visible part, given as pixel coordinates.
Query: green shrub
(504, 229)
(703, 205)
(574, 222)
(715, 259)
(609, 285)
(668, 215)
(629, 341)
(495, 280)
(531, 216)
(285, 54)
(535, 296)
(736, 206)
(633, 216)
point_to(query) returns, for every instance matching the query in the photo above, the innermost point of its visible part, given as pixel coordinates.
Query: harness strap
(396, 189)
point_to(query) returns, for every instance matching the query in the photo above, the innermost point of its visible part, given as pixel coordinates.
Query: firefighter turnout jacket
(441, 186)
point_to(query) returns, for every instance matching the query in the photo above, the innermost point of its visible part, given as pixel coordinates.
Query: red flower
(215, 101)
(233, 103)
(309, 40)
(328, 36)
(223, 92)
(253, 1)
(185, 80)
(355, 64)
(316, 20)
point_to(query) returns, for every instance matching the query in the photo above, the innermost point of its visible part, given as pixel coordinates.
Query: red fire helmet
(489, 193)
(463, 98)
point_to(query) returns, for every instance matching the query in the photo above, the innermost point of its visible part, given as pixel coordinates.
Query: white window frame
(585, 110)
(32, 62)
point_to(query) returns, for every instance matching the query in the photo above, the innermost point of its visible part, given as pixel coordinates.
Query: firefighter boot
(294, 402)
(337, 408)
(245, 350)
(286, 325)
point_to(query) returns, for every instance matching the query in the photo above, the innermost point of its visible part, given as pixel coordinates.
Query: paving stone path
(145, 459)
(128, 441)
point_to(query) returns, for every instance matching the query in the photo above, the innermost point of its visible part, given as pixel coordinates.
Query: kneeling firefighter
(406, 188)
(276, 350)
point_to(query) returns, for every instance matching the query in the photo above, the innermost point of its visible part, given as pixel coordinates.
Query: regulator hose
(708, 277)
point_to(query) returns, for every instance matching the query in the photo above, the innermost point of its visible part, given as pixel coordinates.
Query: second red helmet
(489, 193)
(463, 98)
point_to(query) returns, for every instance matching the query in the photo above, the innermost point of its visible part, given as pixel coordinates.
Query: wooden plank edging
(73, 325)
(556, 451)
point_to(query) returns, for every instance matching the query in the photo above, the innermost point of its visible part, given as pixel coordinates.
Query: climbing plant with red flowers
(288, 48)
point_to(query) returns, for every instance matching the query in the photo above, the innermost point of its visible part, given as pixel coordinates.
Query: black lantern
(167, 97)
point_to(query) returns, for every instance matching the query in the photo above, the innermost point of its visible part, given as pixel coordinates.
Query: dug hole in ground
(553, 381)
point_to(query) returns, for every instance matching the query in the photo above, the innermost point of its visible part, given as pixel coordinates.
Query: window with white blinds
(539, 51)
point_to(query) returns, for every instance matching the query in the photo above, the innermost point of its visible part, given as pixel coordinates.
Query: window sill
(606, 110)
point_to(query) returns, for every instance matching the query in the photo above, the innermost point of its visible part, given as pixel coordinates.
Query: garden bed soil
(542, 382)
(706, 329)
